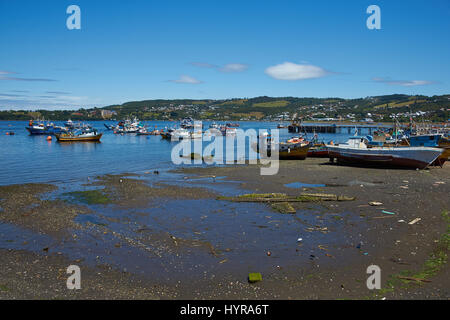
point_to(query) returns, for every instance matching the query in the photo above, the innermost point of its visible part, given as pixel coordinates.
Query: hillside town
(369, 109)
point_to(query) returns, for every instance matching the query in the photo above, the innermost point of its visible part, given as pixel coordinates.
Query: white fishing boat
(187, 123)
(214, 125)
(127, 126)
(356, 151)
(227, 131)
(197, 134)
(181, 133)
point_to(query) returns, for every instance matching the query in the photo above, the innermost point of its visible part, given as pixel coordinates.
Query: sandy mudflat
(149, 237)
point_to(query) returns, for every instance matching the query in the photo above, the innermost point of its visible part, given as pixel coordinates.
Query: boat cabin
(358, 142)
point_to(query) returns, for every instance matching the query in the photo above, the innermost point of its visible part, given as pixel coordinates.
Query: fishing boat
(187, 123)
(180, 134)
(127, 126)
(69, 124)
(166, 133)
(41, 128)
(214, 125)
(318, 150)
(228, 131)
(176, 134)
(431, 140)
(144, 131)
(444, 142)
(413, 139)
(356, 151)
(82, 136)
(196, 134)
(293, 149)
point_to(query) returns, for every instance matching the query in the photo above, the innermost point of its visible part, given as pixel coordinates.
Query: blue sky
(136, 50)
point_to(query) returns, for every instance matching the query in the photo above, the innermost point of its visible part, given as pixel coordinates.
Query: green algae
(90, 196)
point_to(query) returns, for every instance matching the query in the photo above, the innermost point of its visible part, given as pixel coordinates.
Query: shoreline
(190, 245)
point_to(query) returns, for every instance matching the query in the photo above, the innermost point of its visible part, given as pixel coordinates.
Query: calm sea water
(25, 158)
(246, 228)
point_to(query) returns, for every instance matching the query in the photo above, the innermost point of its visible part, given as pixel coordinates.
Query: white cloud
(404, 83)
(292, 71)
(186, 79)
(234, 67)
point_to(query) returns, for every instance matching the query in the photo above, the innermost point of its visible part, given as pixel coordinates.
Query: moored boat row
(410, 150)
(361, 151)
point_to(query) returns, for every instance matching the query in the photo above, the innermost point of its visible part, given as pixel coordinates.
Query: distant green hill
(378, 108)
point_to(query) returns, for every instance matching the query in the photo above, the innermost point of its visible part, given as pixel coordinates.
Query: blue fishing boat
(425, 140)
(44, 128)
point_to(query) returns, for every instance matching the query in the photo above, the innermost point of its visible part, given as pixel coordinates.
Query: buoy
(49, 138)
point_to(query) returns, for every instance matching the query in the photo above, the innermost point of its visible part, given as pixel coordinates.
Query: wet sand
(153, 236)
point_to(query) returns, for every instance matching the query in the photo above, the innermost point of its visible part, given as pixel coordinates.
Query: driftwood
(281, 197)
(413, 279)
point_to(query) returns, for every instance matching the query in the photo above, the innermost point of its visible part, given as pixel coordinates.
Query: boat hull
(318, 151)
(165, 135)
(294, 152)
(286, 151)
(399, 157)
(44, 130)
(66, 138)
(431, 140)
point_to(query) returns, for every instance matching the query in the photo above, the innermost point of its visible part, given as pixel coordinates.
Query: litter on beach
(387, 212)
(415, 220)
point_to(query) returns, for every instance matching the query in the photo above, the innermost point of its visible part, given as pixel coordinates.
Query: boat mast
(395, 130)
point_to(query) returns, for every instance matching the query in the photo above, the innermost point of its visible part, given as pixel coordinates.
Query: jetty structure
(299, 127)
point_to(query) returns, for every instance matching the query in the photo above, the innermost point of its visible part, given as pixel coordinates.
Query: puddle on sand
(299, 185)
(17, 238)
(94, 219)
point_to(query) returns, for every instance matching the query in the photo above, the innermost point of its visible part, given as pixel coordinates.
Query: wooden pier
(336, 128)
